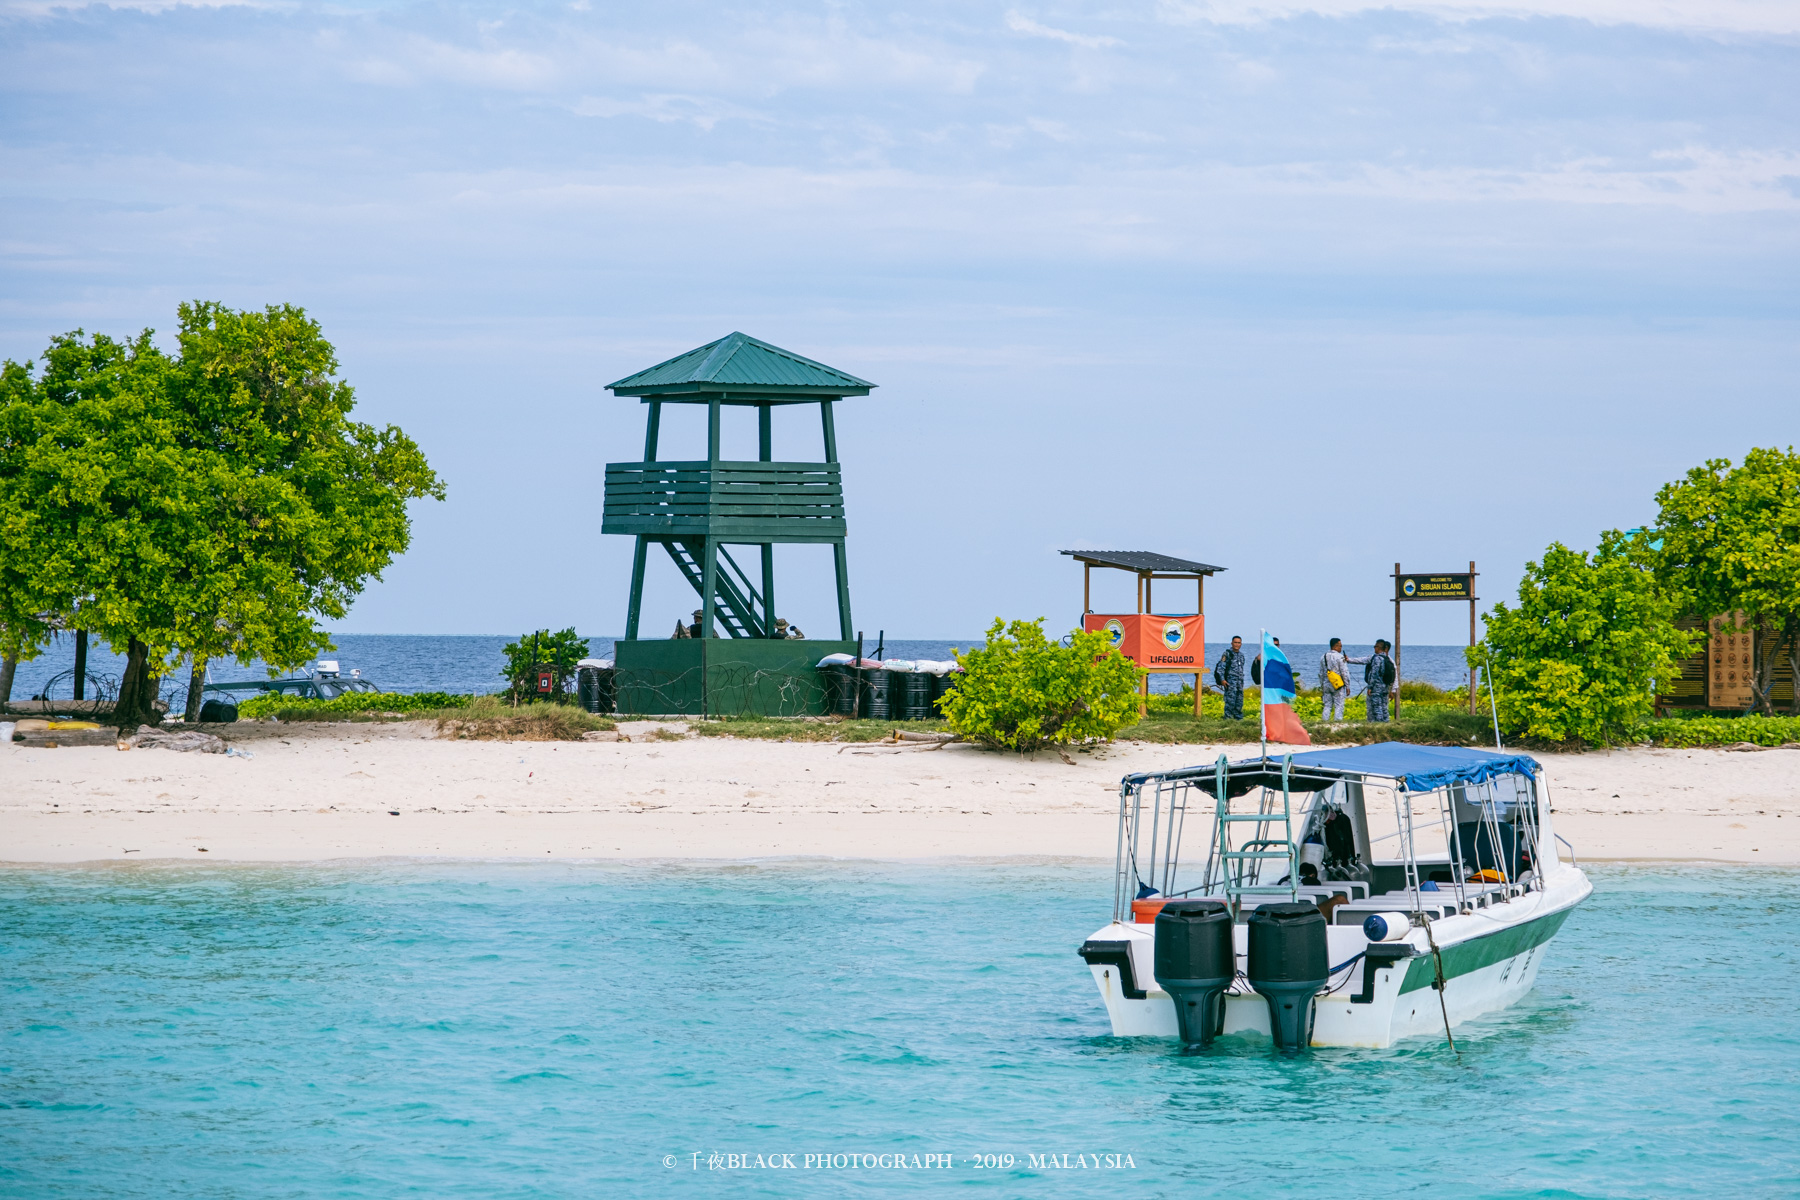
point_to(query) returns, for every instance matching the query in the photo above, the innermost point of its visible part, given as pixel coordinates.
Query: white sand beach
(315, 792)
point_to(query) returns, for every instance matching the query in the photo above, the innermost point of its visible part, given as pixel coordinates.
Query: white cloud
(416, 59)
(1729, 16)
(1694, 179)
(703, 111)
(503, 68)
(43, 8)
(1020, 23)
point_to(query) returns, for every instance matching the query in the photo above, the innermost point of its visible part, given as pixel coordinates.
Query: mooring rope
(1437, 962)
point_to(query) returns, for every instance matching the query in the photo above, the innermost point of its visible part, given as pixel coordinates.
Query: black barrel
(595, 688)
(832, 682)
(221, 711)
(1289, 963)
(942, 687)
(843, 701)
(917, 687)
(878, 694)
(1195, 963)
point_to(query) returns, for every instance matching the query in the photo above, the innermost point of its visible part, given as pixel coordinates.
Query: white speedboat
(1338, 897)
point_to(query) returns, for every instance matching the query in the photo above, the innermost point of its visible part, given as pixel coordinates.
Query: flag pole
(1262, 693)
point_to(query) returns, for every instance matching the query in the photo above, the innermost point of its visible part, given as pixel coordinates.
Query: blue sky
(1298, 288)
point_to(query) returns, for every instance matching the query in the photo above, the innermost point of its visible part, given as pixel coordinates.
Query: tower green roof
(740, 369)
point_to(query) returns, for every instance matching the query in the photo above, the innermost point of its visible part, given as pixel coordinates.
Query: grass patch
(479, 718)
(1432, 716)
(1308, 706)
(352, 706)
(801, 729)
(489, 719)
(1451, 725)
(1420, 692)
(1426, 726)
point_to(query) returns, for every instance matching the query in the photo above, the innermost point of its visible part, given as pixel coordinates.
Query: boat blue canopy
(1420, 768)
(1417, 768)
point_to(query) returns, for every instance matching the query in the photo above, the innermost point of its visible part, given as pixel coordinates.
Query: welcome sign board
(1155, 643)
(1435, 587)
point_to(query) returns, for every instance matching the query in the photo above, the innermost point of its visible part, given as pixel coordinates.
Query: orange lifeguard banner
(1174, 644)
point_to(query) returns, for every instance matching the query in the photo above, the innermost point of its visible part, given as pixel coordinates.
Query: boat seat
(1346, 915)
(1357, 911)
(1443, 901)
(1326, 890)
(1469, 890)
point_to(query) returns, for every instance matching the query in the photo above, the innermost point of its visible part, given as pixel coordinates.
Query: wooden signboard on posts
(1730, 665)
(1719, 673)
(1418, 585)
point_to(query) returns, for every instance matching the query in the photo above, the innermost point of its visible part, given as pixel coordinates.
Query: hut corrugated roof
(1142, 560)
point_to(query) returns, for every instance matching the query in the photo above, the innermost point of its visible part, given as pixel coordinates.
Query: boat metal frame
(1483, 942)
(1169, 795)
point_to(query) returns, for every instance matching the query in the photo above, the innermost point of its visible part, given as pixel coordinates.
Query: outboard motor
(1195, 963)
(1289, 963)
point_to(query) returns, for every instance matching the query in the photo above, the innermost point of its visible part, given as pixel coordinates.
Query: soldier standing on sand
(1379, 675)
(1335, 663)
(1229, 676)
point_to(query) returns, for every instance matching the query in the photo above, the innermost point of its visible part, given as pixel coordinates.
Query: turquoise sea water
(526, 1030)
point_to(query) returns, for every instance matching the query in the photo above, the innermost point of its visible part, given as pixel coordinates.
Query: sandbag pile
(910, 666)
(184, 740)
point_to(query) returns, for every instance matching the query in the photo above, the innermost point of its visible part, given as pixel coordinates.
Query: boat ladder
(1242, 864)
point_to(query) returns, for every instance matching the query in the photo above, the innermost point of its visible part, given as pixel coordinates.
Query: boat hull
(1490, 960)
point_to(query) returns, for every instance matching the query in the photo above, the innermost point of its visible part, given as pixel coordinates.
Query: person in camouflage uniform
(1376, 675)
(1229, 676)
(1332, 699)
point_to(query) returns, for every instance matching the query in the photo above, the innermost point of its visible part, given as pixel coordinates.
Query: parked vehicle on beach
(324, 682)
(1338, 897)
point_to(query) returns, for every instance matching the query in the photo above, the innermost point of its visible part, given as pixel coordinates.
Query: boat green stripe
(1472, 955)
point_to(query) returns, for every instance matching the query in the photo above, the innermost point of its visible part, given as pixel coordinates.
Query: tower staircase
(737, 605)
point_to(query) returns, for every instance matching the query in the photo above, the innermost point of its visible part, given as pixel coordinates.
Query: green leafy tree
(23, 627)
(1588, 645)
(97, 502)
(1731, 542)
(557, 652)
(1023, 692)
(310, 504)
(218, 503)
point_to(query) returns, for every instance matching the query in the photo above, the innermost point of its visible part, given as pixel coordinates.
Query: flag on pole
(1279, 722)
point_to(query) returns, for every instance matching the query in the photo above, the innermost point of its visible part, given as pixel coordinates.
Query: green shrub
(558, 652)
(1723, 731)
(1023, 692)
(284, 707)
(1589, 645)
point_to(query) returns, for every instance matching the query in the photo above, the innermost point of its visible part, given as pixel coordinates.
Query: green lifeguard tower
(695, 509)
